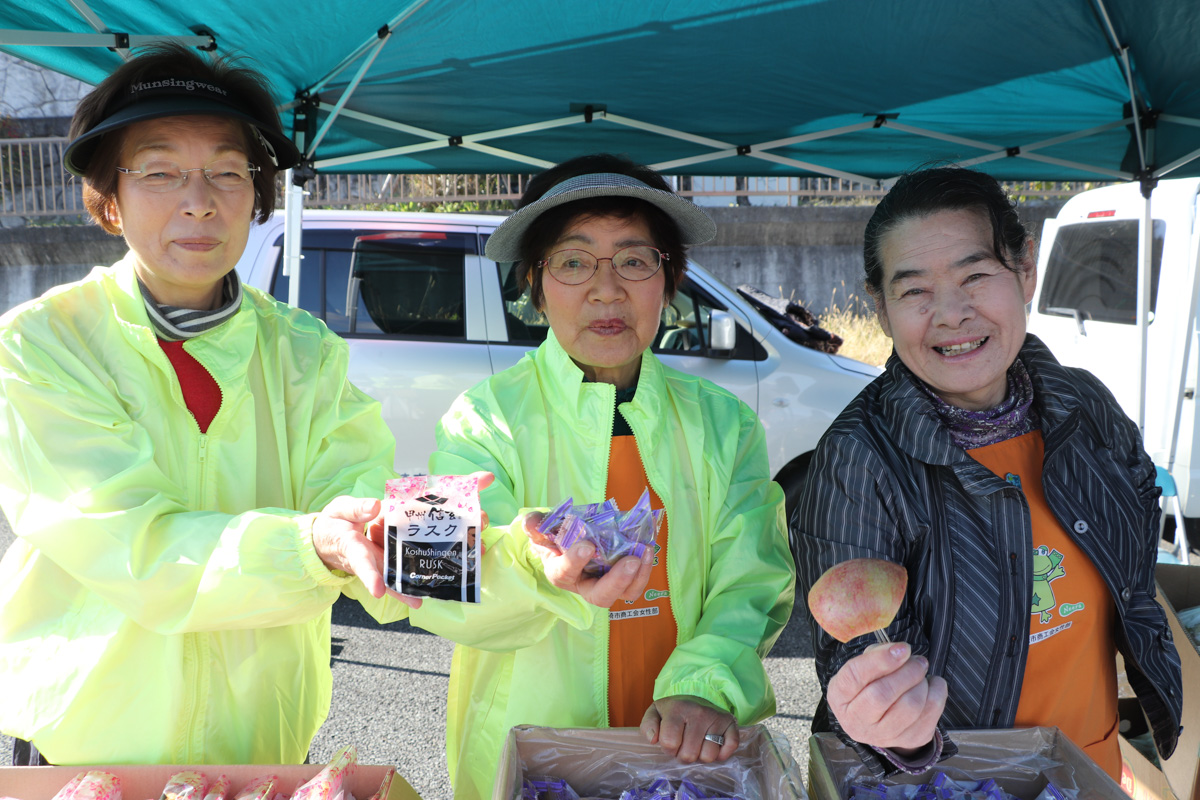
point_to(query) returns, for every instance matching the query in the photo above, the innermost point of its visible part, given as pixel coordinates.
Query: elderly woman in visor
(181, 457)
(1013, 489)
(672, 643)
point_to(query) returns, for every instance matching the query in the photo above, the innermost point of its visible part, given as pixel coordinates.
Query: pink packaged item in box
(432, 544)
(94, 785)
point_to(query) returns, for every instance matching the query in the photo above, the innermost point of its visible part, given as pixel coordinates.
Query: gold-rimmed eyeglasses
(227, 174)
(573, 267)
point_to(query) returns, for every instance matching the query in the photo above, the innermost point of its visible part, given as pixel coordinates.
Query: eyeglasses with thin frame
(227, 174)
(573, 267)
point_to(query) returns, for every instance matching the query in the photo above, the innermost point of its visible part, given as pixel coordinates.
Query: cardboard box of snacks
(1140, 778)
(143, 782)
(605, 762)
(1179, 589)
(1021, 760)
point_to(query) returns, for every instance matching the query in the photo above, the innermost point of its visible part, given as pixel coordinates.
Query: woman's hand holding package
(565, 568)
(680, 724)
(339, 535)
(885, 698)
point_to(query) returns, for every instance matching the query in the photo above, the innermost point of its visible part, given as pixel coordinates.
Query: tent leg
(1145, 243)
(293, 223)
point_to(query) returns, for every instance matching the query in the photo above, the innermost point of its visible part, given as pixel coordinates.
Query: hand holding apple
(857, 597)
(885, 697)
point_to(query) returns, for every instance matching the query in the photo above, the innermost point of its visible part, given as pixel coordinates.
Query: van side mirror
(722, 333)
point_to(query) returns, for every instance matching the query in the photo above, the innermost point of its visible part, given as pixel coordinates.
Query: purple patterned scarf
(1013, 417)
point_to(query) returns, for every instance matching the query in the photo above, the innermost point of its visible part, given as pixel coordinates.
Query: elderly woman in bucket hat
(674, 643)
(181, 457)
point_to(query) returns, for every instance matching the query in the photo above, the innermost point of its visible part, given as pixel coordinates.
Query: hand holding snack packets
(601, 524)
(432, 524)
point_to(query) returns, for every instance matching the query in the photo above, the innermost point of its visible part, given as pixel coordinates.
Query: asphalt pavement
(389, 694)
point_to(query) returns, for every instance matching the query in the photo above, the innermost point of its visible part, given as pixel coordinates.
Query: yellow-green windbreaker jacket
(161, 604)
(547, 435)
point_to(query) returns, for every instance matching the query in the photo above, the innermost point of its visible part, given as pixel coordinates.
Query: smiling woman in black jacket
(1013, 489)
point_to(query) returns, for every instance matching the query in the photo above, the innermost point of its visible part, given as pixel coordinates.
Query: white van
(1085, 310)
(427, 316)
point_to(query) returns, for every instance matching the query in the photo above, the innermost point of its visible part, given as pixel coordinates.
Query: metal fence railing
(33, 183)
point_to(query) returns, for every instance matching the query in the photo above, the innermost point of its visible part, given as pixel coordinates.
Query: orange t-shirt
(1070, 671)
(641, 634)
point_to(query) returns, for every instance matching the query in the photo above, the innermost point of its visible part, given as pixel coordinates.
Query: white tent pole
(98, 25)
(1145, 242)
(1178, 120)
(347, 93)
(1177, 163)
(1181, 382)
(1123, 53)
(120, 42)
(293, 225)
(362, 48)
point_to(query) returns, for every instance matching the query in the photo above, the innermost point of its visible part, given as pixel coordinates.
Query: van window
(401, 283)
(526, 325)
(685, 326)
(1092, 269)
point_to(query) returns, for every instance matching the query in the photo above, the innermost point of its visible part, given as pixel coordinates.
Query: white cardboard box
(1021, 760)
(1179, 588)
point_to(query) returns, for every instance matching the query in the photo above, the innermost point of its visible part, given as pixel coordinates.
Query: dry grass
(862, 337)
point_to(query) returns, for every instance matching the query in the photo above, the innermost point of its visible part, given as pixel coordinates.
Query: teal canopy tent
(856, 89)
(861, 89)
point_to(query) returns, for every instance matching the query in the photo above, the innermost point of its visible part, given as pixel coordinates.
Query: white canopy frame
(365, 54)
(103, 37)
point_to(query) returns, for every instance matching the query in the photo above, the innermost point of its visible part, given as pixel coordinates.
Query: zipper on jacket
(1011, 647)
(202, 468)
(607, 627)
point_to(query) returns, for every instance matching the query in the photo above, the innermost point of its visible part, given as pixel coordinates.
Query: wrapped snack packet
(327, 784)
(220, 788)
(94, 785)
(431, 548)
(614, 535)
(186, 785)
(385, 786)
(545, 788)
(261, 788)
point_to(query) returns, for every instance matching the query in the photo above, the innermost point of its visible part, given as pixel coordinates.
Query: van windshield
(1092, 271)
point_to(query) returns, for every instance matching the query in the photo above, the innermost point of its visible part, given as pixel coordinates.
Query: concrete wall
(812, 254)
(809, 253)
(34, 259)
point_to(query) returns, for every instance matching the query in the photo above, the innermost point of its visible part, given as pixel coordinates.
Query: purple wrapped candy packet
(544, 788)
(613, 534)
(1052, 792)
(861, 791)
(555, 517)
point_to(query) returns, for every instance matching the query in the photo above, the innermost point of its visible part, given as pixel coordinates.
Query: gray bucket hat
(695, 227)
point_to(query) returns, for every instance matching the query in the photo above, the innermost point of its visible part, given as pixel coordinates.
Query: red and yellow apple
(857, 597)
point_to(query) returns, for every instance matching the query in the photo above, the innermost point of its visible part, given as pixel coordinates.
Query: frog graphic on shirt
(1047, 566)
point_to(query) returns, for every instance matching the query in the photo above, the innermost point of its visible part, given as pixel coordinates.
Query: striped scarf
(173, 323)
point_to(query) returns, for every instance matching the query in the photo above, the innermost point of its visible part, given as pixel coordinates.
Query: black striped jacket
(886, 481)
